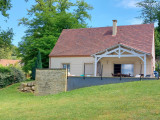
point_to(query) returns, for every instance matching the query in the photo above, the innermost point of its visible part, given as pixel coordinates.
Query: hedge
(10, 75)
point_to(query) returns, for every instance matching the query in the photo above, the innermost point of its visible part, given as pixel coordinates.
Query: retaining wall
(79, 82)
(53, 81)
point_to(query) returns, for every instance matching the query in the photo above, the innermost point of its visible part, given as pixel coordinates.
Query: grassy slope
(135, 100)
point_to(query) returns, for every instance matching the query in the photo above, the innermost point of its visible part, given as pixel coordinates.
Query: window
(89, 68)
(128, 69)
(67, 66)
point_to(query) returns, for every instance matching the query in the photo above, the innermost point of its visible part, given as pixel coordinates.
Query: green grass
(133, 101)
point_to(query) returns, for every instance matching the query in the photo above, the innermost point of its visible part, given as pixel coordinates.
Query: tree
(149, 10)
(82, 12)
(7, 50)
(5, 43)
(157, 43)
(150, 13)
(158, 18)
(39, 61)
(5, 36)
(5, 5)
(38, 64)
(14, 54)
(157, 37)
(45, 23)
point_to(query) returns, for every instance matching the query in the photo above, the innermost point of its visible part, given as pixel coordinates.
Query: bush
(157, 66)
(4, 69)
(10, 75)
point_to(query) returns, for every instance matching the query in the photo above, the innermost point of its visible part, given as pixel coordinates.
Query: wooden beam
(95, 67)
(144, 65)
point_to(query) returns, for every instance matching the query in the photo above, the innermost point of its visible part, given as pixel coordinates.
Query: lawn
(133, 101)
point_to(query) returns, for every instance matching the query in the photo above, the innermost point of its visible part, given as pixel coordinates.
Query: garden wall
(50, 81)
(53, 81)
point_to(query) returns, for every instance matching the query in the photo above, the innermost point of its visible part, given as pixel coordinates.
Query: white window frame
(69, 70)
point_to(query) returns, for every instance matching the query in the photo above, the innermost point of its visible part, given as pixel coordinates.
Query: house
(7, 62)
(108, 50)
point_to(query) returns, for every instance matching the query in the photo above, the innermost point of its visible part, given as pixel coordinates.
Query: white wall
(77, 64)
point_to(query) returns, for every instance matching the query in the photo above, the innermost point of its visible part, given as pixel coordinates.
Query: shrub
(10, 75)
(157, 66)
(18, 75)
(4, 69)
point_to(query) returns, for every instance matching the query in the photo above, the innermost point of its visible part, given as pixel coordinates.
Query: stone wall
(27, 87)
(50, 81)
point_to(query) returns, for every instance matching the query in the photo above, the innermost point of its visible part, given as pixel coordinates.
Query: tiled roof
(88, 41)
(7, 62)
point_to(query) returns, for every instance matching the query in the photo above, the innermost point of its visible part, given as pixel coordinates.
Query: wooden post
(67, 72)
(84, 72)
(95, 67)
(102, 72)
(141, 72)
(144, 65)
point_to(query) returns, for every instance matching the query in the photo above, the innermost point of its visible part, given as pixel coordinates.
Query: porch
(122, 60)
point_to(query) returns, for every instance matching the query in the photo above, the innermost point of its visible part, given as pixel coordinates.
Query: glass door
(127, 69)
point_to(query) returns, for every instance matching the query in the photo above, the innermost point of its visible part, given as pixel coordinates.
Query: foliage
(4, 69)
(6, 37)
(5, 53)
(125, 101)
(5, 43)
(9, 53)
(158, 18)
(5, 5)
(38, 64)
(149, 10)
(14, 53)
(81, 13)
(158, 63)
(39, 61)
(18, 74)
(45, 22)
(150, 13)
(157, 37)
(157, 42)
(10, 75)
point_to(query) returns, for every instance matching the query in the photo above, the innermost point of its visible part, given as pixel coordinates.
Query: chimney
(114, 32)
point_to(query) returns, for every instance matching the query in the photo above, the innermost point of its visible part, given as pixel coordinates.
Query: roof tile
(88, 41)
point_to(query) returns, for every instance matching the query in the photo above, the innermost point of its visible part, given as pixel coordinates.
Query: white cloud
(127, 3)
(135, 21)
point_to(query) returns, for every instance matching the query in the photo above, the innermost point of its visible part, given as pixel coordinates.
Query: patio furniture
(122, 75)
(148, 75)
(137, 76)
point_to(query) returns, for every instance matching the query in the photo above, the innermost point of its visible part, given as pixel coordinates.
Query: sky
(124, 11)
